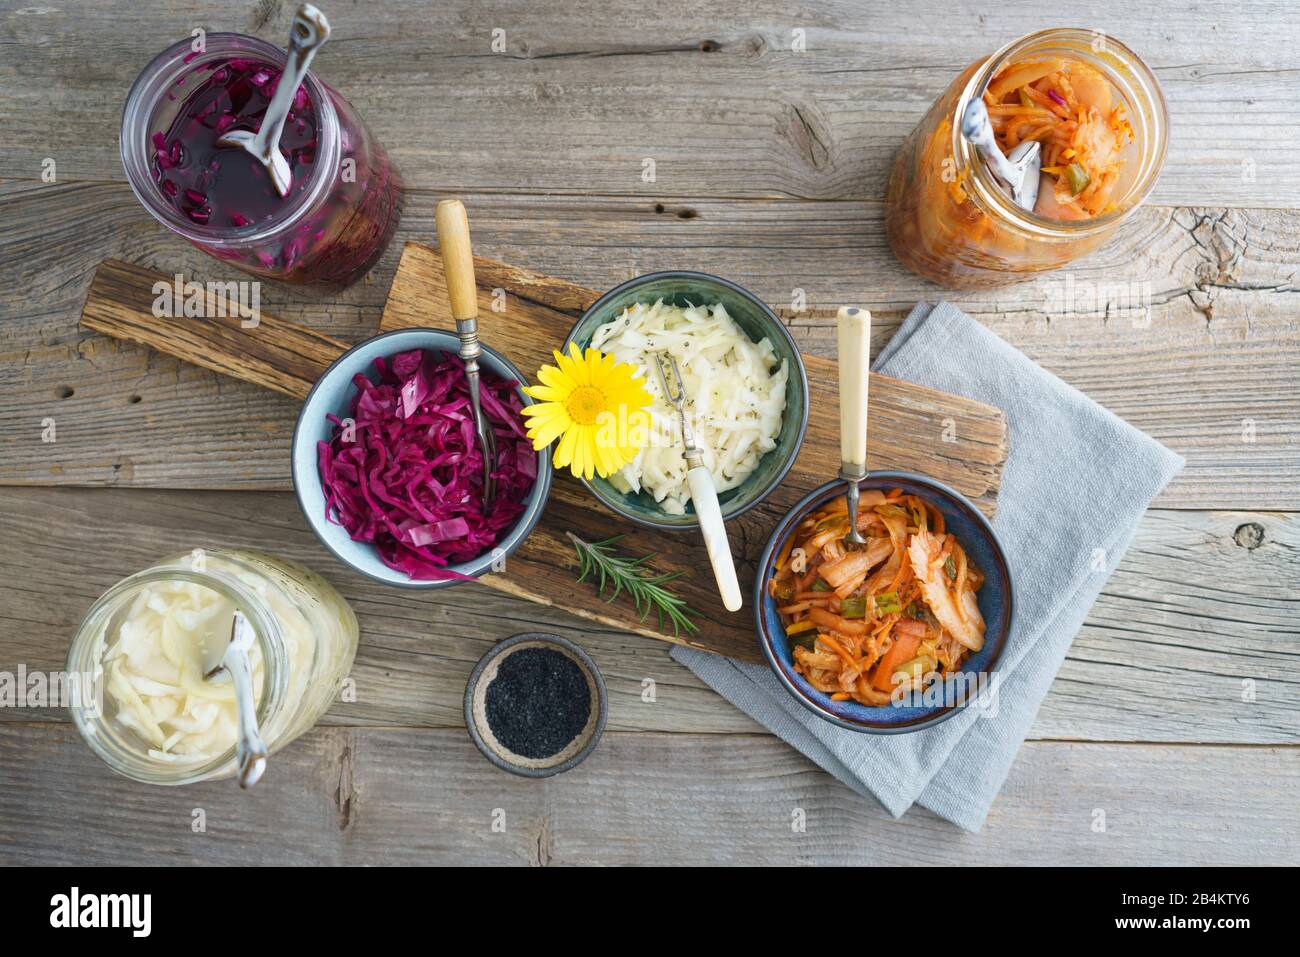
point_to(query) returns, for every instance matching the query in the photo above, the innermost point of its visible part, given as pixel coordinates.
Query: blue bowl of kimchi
(333, 396)
(923, 692)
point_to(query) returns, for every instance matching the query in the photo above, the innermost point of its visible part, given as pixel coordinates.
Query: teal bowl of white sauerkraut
(745, 383)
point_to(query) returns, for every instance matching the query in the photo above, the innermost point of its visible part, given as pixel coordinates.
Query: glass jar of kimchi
(1100, 118)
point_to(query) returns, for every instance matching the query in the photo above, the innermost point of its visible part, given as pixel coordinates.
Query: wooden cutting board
(525, 315)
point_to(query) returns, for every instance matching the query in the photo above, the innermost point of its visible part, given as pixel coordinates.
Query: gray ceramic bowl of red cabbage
(333, 395)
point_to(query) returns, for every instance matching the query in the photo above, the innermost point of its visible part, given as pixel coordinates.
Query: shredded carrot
(839, 649)
(784, 555)
(902, 650)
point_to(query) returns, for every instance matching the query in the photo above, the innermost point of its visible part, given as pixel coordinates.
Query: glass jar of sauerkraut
(144, 645)
(947, 217)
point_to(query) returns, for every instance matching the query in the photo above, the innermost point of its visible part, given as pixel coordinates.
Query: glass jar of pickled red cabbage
(949, 220)
(346, 196)
(152, 714)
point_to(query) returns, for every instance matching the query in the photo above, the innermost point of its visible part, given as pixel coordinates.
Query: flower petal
(573, 366)
(546, 393)
(564, 451)
(546, 433)
(553, 377)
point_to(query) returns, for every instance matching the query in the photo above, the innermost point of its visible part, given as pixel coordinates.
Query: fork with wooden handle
(458, 261)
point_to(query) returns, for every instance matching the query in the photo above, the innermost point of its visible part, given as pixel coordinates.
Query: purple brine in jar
(346, 197)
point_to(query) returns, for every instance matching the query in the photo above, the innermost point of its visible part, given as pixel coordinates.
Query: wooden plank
(427, 797)
(1203, 603)
(1217, 289)
(735, 98)
(909, 423)
(260, 349)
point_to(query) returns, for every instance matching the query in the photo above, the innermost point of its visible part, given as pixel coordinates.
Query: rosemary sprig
(632, 576)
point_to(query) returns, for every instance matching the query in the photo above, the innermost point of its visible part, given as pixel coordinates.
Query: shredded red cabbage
(408, 475)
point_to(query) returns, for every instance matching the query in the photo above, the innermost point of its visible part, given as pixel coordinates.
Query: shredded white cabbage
(735, 391)
(154, 671)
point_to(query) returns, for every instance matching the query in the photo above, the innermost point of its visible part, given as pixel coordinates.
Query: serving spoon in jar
(250, 750)
(1018, 171)
(309, 32)
(853, 345)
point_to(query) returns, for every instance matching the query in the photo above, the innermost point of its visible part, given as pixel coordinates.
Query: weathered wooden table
(771, 128)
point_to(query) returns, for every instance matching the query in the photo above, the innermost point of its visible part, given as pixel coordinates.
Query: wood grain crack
(345, 792)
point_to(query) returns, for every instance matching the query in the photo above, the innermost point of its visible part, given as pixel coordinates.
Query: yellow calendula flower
(595, 406)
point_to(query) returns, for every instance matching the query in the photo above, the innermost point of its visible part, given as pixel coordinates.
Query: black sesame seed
(538, 702)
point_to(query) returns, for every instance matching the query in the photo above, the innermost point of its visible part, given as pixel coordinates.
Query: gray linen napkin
(1075, 484)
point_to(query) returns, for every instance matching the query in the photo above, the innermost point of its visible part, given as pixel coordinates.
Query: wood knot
(1249, 536)
(544, 847)
(267, 11)
(686, 212)
(345, 793)
(710, 46)
(805, 130)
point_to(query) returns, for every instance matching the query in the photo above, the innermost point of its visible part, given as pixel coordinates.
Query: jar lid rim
(137, 114)
(993, 197)
(266, 630)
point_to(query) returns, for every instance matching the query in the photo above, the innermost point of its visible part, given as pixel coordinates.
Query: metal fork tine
(675, 391)
(679, 387)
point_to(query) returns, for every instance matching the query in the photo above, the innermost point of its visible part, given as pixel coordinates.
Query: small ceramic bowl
(758, 322)
(996, 602)
(485, 672)
(333, 394)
